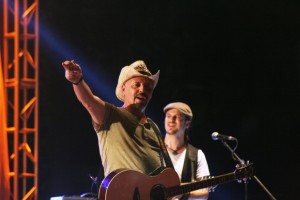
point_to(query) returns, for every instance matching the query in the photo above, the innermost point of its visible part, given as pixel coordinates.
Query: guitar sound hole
(136, 195)
(158, 193)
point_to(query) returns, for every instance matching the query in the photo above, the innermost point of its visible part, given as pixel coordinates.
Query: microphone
(217, 136)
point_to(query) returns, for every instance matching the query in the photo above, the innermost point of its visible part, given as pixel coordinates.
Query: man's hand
(73, 72)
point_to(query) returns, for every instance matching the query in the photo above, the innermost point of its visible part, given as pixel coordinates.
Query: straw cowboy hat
(136, 69)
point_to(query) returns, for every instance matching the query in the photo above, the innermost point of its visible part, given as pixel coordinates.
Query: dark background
(236, 63)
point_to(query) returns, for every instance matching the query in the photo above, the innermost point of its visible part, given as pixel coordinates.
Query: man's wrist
(79, 81)
(185, 196)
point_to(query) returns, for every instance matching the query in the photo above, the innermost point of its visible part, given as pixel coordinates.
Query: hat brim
(129, 75)
(182, 107)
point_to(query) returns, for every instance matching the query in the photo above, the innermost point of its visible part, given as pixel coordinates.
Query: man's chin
(171, 132)
(141, 103)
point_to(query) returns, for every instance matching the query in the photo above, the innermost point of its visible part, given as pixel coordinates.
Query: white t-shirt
(178, 162)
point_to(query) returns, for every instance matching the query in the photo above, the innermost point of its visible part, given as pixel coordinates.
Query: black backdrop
(236, 63)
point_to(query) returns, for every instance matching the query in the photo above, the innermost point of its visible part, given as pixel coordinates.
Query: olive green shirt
(126, 143)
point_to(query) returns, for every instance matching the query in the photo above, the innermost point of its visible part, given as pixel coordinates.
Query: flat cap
(182, 107)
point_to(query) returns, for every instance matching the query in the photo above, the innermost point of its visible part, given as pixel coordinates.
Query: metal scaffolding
(20, 66)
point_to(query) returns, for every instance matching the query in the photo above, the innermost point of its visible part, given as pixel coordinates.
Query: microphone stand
(242, 163)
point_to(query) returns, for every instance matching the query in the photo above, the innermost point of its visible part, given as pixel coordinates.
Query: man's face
(138, 91)
(175, 122)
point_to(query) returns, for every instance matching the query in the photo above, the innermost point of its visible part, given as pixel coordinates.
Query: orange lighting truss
(20, 71)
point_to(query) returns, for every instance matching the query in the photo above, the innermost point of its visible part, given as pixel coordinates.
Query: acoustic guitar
(125, 184)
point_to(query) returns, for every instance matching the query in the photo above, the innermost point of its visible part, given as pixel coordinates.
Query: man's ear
(123, 89)
(188, 124)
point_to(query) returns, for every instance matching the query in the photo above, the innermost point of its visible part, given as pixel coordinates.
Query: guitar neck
(185, 188)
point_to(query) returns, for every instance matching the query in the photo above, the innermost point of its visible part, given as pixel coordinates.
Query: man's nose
(142, 88)
(172, 119)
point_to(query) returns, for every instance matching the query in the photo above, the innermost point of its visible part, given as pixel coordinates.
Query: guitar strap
(190, 164)
(162, 144)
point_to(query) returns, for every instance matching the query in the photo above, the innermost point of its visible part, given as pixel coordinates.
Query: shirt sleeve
(202, 169)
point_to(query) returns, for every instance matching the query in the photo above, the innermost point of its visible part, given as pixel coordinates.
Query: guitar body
(125, 184)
